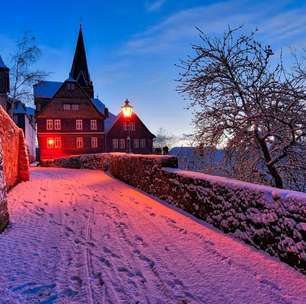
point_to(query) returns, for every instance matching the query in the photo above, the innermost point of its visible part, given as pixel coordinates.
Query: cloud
(279, 24)
(155, 5)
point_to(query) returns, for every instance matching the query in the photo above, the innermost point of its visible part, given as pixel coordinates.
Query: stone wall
(267, 218)
(4, 217)
(15, 155)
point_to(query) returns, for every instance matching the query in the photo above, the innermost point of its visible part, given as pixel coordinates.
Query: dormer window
(75, 107)
(67, 107)
(70, 86)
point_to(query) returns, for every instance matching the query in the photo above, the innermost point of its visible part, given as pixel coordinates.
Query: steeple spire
(79, 69)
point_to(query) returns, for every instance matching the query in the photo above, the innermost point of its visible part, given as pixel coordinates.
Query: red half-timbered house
(127, 133)
(70, 121)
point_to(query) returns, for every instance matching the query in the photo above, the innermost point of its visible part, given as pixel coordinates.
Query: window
(93, 124)
(132, 126)
(79, 124)
(67, 107)
(50, 143)
(49, 124)
(57, 143)
(122, 143)
(143, 143)
(57, 124)
(94, 142)
(136, 143)
(70, 86)
(79, 142)
(115, 143)
(75, 107)
(129, 126)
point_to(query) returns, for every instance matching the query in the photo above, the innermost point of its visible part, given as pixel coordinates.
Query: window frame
(57, 143)
(94, 142)
(93, 124)
(57, 124)
(75, 107)
(115, 143)
(79, 124)
(122, 144)
(136, 143)
(79, 142)
(143, 143)
(49, 124)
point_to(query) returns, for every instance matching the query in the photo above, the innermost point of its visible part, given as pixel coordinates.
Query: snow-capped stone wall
(268, 218)
(15, 155)
(4, 217)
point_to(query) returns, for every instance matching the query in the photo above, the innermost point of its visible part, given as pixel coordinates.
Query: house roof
(110, 121)
(46, 89)
(99, 105)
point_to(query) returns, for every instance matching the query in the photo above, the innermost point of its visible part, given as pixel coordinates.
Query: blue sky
(133, 46)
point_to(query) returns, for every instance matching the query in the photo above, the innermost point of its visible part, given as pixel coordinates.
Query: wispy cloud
(279, 24)
(155, 5)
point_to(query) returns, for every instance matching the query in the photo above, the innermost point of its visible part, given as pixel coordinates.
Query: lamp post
(127, 111)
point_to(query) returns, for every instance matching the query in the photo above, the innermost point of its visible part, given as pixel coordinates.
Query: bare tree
(163, 139)
(23, 73)
(248, 104)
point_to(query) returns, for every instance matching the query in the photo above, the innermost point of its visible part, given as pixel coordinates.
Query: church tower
(4, 83)
(79, 70)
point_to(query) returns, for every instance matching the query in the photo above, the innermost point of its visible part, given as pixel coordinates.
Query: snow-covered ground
(80, 236)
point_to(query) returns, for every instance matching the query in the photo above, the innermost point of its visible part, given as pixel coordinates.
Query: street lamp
(127, 111)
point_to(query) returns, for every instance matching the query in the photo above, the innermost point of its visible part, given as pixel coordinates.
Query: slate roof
(99, 105)
(46, 89)
(110, 121)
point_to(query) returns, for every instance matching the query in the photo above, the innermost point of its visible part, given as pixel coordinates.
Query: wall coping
(226, 181)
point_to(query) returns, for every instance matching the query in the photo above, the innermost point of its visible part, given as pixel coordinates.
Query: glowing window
(94, 142)
(93, 124)
(57, 124)
(79, 124)
(49, 124)
(57, 143)
(79, 142)
(75, 107)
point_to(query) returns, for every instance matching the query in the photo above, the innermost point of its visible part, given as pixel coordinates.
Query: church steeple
(79, 70)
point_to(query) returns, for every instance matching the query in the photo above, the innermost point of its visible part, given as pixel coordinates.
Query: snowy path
(80, 236)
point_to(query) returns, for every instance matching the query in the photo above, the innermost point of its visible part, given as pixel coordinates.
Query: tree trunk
(271, 168)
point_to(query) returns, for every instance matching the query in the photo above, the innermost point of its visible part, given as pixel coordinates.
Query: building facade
(70, 121)
(22, 115)
(128, 134)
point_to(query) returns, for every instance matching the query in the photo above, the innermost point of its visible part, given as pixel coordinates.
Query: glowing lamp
(50, 142)
(127, 109)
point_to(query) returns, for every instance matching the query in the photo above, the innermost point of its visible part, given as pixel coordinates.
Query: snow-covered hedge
(267, 218)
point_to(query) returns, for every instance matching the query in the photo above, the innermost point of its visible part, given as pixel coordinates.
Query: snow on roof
(19, 108)
(2, 65)
(110, 121)
(46, 89)
(30, 111)
(99, 105)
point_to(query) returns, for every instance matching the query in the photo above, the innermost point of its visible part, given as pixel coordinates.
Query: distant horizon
(132, 48)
